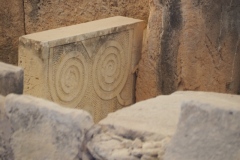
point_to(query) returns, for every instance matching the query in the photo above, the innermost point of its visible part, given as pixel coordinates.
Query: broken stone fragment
(143, 131)
(11, 79)
(207, 129)
(45, 130)
(5, 133)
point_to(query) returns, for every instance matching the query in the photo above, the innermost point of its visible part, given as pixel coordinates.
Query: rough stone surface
(45, 15)
(20, 16)
(196, 47)
(88, 66)
(11, 79)
(147, 81)
(45, 130)
(11, 28)
(207, 129)
(140, 131)
(5, 133)
(143, 130)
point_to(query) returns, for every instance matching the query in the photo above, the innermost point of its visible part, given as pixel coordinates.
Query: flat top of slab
(4, 67)
(219, 100)
(83, 28)
(160, 115)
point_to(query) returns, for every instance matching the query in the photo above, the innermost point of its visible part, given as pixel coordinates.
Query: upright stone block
(207, 129)
(11, 79)
(45, 130)
(88, 66)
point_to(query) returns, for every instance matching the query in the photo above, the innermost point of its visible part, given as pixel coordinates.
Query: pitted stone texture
(147, 80)
(143, 130)
(45, 130)
(207, 129)
(5, 133)
(11, 79)
(108, 142)
(191, 45)
(88, 66)
(11, 28)
(140, 131)
(44, 15)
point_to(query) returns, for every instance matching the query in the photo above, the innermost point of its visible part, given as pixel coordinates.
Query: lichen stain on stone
(167, 66)
(34, 12)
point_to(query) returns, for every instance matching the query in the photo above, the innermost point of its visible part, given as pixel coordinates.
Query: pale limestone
(11, 79)
(143, 130)
(5, 133)
(190, 45)
(45, 130)
(88, 66)
(207, 129)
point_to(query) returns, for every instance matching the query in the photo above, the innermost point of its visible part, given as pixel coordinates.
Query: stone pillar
(197, 48)
(88, 66)
(147, 81)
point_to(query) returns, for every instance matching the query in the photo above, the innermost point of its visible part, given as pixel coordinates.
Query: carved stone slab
(88, 66)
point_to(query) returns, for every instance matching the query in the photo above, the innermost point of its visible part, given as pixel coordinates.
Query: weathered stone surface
(140, 131)
(196, 47)
(11, 28)
(44, 15)
(207, 129)
(5, 133)
(147, 81)
(143, 130)
(88, 66)
(45, 130)
(11, 79)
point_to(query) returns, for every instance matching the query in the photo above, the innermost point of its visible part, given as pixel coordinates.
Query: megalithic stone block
(11, 79)
(45, 130)
(207, 129)
(5, 133)
(88, 66)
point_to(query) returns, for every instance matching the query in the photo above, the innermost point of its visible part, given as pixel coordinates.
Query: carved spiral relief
(110, 70)
(70, 79)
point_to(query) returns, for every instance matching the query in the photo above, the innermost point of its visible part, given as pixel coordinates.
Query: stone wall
(11, 28)
(191, 45)
(23, 17)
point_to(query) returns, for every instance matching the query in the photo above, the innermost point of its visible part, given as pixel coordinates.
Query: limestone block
(190, 45)
(45, 130)
(148, 65)
(88, 66)
(5, 133)
(11, 79)
(207, 129)
(140, 131)
(143, 130)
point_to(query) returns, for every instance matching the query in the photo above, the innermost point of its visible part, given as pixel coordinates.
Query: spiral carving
(110, 70)
(70, 79)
